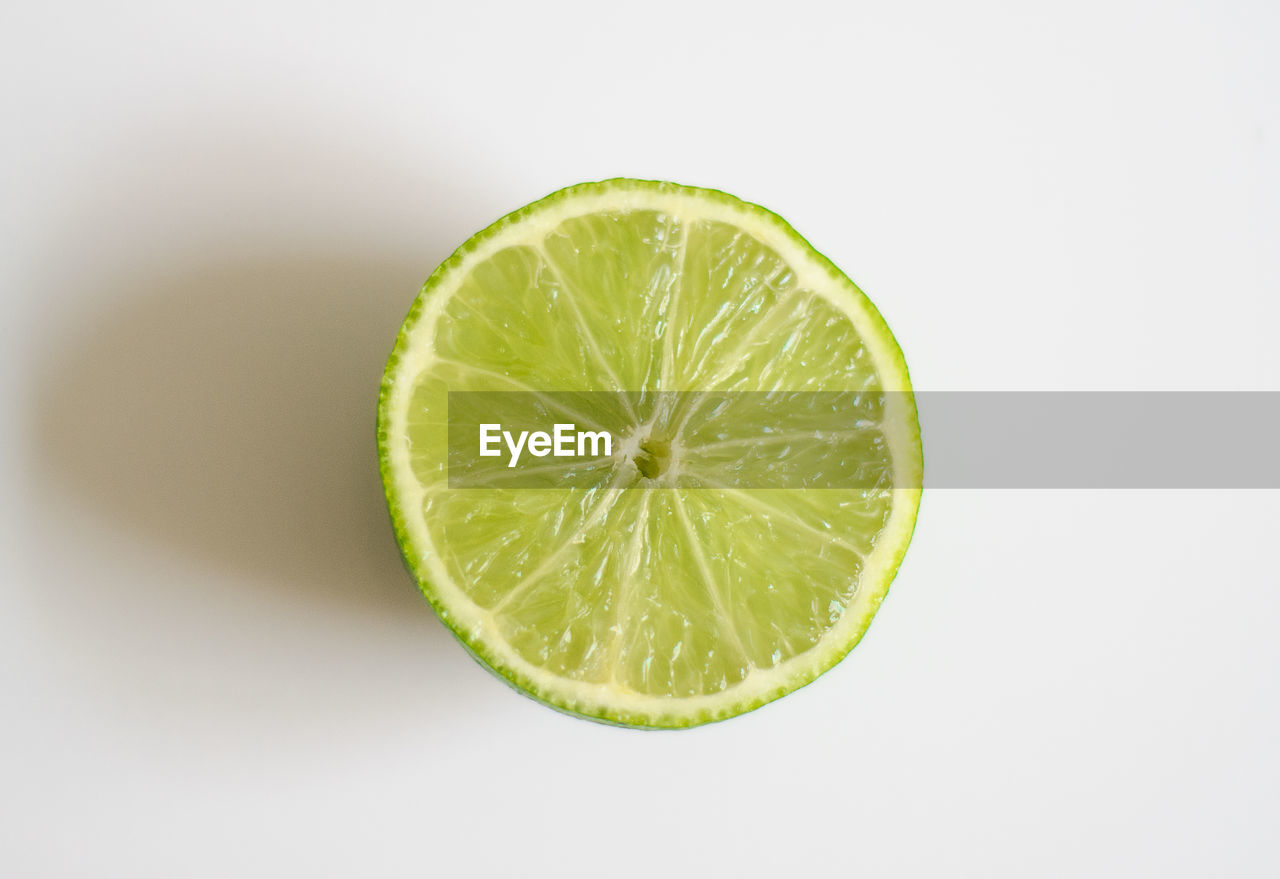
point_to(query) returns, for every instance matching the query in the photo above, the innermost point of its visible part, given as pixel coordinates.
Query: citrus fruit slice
(653, 591)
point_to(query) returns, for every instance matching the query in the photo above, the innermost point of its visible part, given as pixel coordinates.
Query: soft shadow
(220, 312)
(228, 411)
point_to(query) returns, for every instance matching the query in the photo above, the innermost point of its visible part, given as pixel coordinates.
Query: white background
(214, 217)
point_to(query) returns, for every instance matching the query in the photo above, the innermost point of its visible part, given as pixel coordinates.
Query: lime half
(654, 592)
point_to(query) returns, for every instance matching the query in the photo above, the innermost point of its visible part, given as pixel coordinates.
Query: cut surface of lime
(654, 592)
